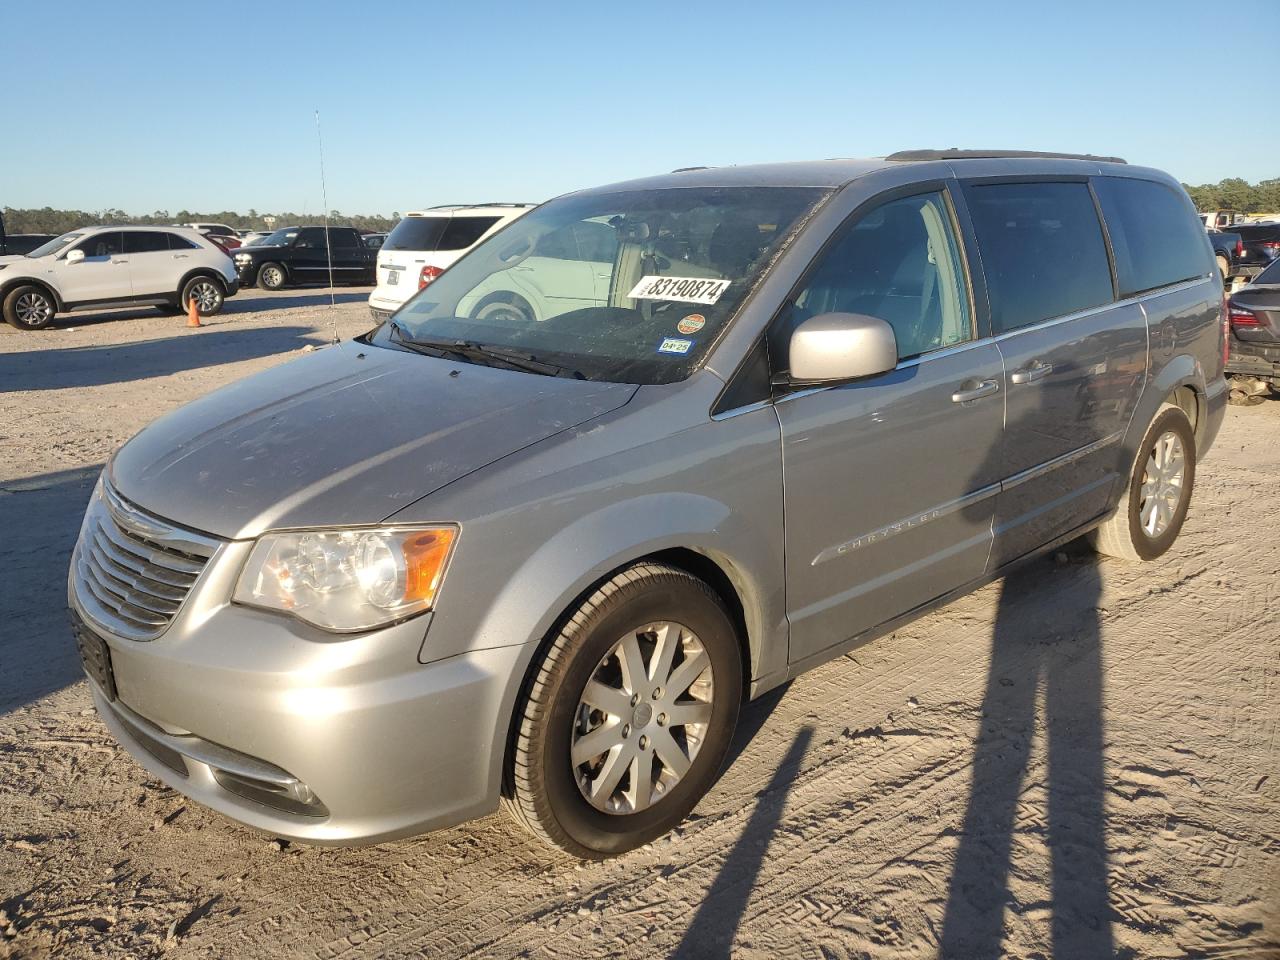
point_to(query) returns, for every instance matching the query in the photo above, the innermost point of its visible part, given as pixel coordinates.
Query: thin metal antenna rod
(328, 249)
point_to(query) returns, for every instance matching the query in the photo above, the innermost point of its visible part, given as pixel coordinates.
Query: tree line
(1232, 193)
(1238, 195)
(48, 220)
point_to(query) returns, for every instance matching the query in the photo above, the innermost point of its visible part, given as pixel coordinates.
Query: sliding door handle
(975, 391)
(1037, 371)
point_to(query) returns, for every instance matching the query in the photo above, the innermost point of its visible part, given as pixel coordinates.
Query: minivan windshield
(54, 245)
(630, 287)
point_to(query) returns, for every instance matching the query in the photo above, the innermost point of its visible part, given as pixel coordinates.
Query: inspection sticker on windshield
(675, 345)
(682, 289)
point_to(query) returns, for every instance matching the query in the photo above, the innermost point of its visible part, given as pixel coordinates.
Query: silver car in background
(539, 553)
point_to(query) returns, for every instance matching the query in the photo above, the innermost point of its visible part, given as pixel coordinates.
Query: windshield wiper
(482, 353)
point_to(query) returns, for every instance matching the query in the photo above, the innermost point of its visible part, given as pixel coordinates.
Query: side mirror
(842, 346)
(75, 256)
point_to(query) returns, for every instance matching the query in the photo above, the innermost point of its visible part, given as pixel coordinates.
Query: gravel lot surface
(1080, 761)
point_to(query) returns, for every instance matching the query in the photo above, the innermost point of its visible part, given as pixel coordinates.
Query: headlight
(347, 580)
(243, 257)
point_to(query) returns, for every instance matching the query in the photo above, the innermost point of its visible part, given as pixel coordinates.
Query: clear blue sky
(209, 105)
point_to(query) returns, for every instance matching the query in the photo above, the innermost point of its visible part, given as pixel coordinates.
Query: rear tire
(1154, 504)
(208, 294)
(503, 308)
(645, 679)
(1224, 267)
(272, 276)
(29, 308)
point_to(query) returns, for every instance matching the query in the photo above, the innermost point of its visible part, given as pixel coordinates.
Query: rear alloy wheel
(271, 276)
(29, 308)
(629, 715)
(207, 294)
(1155, 503)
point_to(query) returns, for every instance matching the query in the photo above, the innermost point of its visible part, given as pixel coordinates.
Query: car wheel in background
(29, 308)
(1155, 502)
(503, 308)
(629, 715)
(207, 293)
(271, 276)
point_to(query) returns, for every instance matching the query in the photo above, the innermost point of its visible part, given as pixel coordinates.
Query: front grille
(133, 570)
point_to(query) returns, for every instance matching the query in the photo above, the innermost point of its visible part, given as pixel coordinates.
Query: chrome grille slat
(130, 592)
(159, 580)
(147, 554)
(133, 571)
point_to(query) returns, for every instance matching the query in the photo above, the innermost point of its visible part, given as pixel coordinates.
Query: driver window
(899, 262)
(102, 245)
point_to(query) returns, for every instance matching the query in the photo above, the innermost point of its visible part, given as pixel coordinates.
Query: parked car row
(546, 534)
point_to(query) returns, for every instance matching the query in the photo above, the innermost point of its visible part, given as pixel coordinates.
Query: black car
(295, 255)
(1253, 360)
(20, 243)
(1261, 243)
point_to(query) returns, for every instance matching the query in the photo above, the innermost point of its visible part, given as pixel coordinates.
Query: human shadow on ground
(1063, 658)
(712, 930)
(68, 367)
(40, 519)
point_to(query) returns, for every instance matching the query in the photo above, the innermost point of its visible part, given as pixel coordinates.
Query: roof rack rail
(688, 169)
(955, 153)
(469, 206)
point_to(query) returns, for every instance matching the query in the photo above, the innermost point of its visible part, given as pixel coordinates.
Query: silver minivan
(760, 415)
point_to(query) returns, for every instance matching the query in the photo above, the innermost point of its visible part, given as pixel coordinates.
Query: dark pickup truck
(294, 255)
(1227, 249)
(20, 243)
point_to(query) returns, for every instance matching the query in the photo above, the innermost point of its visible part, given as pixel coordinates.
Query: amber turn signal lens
(425, 555)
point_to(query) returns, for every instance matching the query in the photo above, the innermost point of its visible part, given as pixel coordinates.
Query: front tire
(272, 276)
(29, 308)
(1155, 502)
(629, 715)
(208, 294)
(1224, 268)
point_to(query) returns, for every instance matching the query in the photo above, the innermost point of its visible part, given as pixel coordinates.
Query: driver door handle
(971, 391)
(1036, 371)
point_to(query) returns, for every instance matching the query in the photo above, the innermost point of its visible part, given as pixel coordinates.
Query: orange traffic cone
(193, 313)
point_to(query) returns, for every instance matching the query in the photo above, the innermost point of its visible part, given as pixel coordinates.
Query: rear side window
(416, 233)
(180, 243)
(1156, 237)
(144, 241)
(462, 232)
(1042, 250)
(345, 239)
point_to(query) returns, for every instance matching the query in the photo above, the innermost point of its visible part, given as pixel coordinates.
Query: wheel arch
(194, 272)
(8, 285)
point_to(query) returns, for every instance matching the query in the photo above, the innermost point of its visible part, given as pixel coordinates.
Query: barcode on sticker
(682, 289)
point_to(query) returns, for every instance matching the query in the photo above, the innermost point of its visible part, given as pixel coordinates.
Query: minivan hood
(346, 435)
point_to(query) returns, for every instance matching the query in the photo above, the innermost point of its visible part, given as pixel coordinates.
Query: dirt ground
(1082, 761)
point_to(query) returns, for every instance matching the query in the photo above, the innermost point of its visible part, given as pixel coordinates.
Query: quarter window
(1156, 237)
(1042, 251)
(180, 243)
(901, 263)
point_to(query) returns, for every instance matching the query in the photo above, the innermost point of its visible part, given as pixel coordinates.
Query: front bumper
(248, 273)
(254, 716)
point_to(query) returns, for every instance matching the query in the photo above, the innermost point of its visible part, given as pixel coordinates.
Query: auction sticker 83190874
(681, 289)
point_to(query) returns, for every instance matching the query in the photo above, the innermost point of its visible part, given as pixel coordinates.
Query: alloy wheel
(642, 718)
(32, 309)
(205, 295)
(1162, 484)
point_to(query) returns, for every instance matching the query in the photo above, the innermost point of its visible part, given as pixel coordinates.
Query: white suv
(99, 267)
(424, 243)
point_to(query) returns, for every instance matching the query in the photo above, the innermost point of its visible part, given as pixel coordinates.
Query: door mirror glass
(842, 346)
(75, 256)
